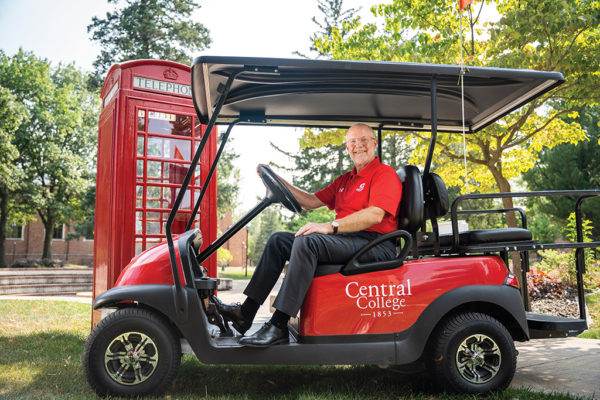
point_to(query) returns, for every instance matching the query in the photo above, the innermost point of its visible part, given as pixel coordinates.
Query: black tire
(131, 352)
(473, 353)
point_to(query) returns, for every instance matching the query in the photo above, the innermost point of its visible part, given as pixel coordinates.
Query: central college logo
(361, 187)
(382, 300)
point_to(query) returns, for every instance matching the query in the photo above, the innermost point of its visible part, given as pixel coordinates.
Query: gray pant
(304, 254)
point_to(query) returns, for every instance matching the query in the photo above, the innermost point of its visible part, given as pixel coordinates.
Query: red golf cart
(447, 301)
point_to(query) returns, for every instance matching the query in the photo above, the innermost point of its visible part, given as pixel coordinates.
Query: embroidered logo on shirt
(341, 190)
(361, 187)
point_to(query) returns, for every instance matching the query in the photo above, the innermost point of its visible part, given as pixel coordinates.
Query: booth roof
(396, 96)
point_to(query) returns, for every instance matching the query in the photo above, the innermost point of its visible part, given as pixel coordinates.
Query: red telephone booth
(148, 131)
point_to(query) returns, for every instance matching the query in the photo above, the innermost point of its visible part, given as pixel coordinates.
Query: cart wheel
(131, 352)
(473, 353)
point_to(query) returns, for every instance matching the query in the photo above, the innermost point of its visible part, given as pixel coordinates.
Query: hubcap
(478, 359)
(131, 358)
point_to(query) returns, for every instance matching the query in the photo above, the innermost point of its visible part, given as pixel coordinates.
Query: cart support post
(433, 125)
(188, 178)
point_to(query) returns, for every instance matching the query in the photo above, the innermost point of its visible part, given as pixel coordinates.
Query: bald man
(366, 202)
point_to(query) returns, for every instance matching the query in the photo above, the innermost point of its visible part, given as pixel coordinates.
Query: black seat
(436, 206)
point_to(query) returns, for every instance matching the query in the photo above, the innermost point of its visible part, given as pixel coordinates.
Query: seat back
(435, 196)
(411, 213)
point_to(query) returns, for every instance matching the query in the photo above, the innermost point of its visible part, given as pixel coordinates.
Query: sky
(57, 30)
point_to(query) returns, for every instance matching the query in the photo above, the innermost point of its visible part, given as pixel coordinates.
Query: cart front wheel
(473, 353)
(132, 352)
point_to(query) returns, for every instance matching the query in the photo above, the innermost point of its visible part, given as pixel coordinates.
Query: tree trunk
(3, 220)
(511, 221)
(48, 233)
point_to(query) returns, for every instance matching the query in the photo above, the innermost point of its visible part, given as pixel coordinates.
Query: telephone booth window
(165, 145)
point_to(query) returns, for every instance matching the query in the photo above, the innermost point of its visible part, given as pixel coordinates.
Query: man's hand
(313, 227)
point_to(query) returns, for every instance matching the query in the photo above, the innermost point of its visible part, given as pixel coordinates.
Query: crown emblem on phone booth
(170, 74)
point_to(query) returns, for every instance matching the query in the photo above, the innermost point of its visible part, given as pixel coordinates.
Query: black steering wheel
(277, 192)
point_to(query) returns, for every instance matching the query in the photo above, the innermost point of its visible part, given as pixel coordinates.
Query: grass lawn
(592, 302)
(40, 358)
(235, 272)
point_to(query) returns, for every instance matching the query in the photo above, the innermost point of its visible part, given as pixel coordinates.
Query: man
(366, 201)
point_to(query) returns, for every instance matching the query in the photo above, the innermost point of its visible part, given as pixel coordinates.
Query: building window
(58, 232)
(14, 231)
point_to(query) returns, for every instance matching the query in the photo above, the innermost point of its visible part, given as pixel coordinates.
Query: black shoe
(268, 335)
(233, 313)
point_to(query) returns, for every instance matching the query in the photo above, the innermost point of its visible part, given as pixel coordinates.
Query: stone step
(45, 280)
(57, 288)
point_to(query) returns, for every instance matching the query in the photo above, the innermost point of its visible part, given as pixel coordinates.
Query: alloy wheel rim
(131, 358)
(478, 359)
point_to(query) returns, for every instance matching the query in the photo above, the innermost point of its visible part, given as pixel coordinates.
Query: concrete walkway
(567, 365)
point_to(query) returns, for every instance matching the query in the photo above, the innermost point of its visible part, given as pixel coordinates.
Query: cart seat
(437, 204)
(488, 236)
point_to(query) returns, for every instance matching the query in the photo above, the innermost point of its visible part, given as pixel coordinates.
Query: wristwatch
(335, 226)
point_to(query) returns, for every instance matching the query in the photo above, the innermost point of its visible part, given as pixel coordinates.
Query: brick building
(27, 242)
(237, 245)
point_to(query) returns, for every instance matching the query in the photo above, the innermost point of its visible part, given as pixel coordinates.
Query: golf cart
(448, 301)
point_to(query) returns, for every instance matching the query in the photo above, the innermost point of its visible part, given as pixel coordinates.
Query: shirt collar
(368, 170)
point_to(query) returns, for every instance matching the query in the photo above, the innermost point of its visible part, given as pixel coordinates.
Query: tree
(546, 35)
(228, 181)
(12, 114)
(334, 17)
(261, 228)
(56, 145)
(148, 29)
(568, 167)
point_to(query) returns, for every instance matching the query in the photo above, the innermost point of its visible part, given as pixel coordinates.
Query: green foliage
(569, 167)
(319, 215)
(224, 257)
(561, 264)
(228, 181)
(261, 228)
(541, 225)
(56, 144)
(141, 29)
(12, 114)
(316, 167)
(535, 34)
(334, 17)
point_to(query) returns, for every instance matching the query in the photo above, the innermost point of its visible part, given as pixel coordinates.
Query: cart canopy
(396, 96)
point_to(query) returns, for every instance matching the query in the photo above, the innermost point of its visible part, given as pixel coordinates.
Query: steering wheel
(277, 192)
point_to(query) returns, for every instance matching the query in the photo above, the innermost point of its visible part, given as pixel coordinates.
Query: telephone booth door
(148, 133)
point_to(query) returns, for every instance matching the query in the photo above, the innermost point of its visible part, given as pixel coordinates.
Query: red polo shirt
(376, 185)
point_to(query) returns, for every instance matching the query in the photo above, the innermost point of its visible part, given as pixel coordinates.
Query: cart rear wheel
(473, 353)
(132, 352)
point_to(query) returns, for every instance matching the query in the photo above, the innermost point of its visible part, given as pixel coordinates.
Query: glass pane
(198, 129)
(140, 145)
(138, 223)
(138, 246)
(170, 124)
(155, 147)
(151, 242)
(156, 169)
(139, 196)
(178, 149)
(141, 120)
(140, 168)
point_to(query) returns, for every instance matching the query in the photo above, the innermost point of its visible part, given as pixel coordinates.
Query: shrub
(33, 263)
(543, 286)
(224, 257)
